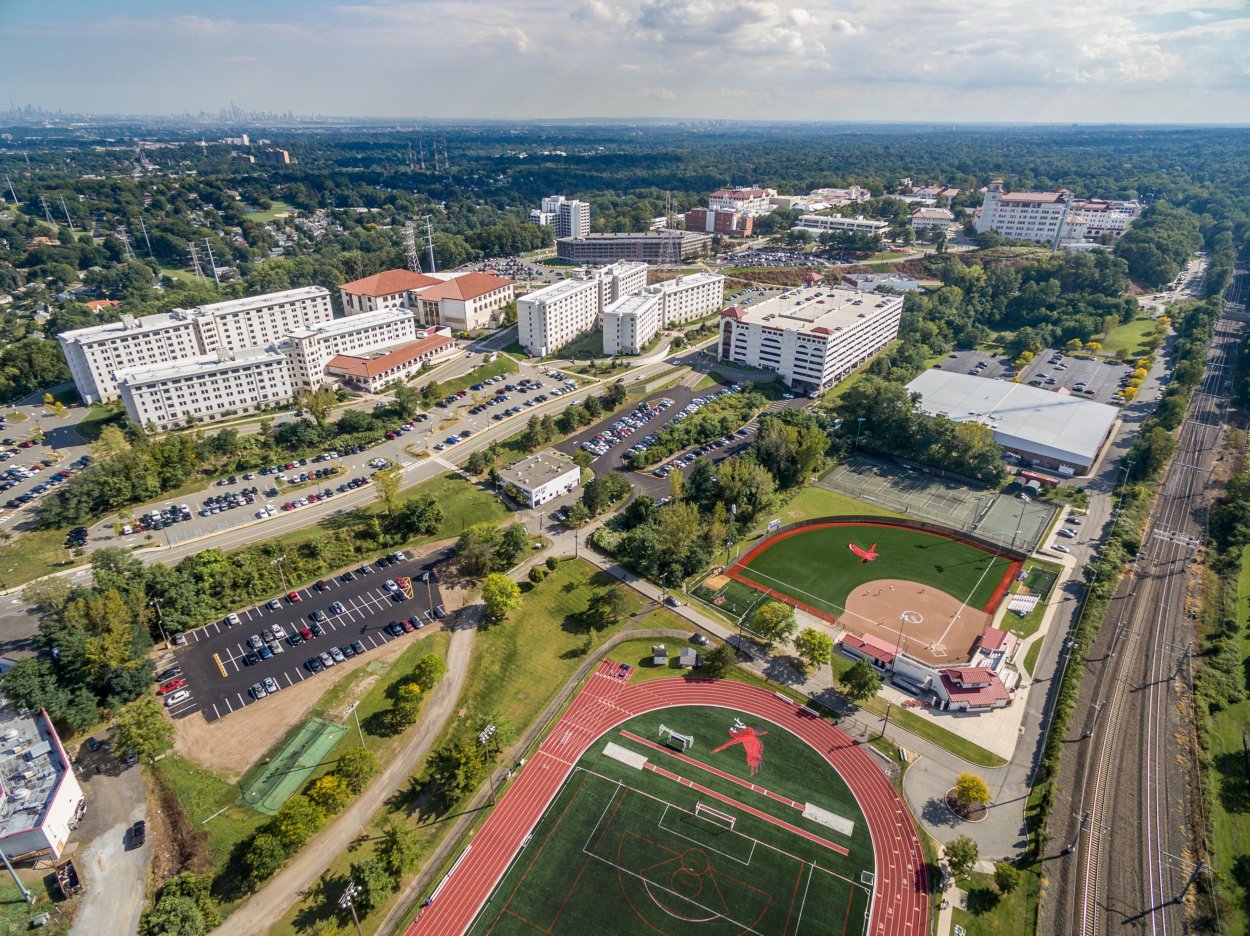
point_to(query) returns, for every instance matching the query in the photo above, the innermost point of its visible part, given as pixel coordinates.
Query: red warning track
(899, 903)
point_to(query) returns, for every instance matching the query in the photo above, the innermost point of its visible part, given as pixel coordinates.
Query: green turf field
(628, 851)
(816, 567)
(285, 773)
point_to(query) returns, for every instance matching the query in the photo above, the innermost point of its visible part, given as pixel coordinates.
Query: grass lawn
(1041, 580)
(276, 208)
(1030, 658)
(98, 416)
(815, 566)
(501, 365)
(184, 276)
(658, 862)
(586, 345)
(990, 913)
(33, 554)
(1132, 337)
(813, 501)
(16, 913)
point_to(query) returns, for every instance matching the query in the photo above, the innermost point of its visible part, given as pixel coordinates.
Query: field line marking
(798, 924)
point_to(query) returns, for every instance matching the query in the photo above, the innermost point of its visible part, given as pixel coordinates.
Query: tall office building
(573, 219)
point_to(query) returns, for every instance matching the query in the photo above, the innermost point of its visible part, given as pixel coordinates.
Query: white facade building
(310, 350)
(629, 323)
(811, 337)
(922, 219)
(465, 302)
(573, 218)
(689, 297)
(872, 282)
(41, 801)
(542, 477)
(96, 353)
(822, 224)
(375, 372)
(206, 388)
(551, 317)
(386, 290)
(1031, 216)
(742, 200)
(260, 320)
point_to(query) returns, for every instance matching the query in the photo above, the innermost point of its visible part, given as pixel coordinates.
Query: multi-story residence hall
(811, 337)
(96, 353)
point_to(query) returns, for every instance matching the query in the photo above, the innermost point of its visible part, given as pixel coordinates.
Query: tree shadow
(936, 813)
(320, 902)
(982, 900)
(1235, 784)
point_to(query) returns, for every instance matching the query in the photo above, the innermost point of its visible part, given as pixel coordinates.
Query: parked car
(138, 833)
(172, 686)
(180, 696)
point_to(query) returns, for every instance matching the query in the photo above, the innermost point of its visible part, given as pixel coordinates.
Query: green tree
(718, 661)
(475, 550)
(1006, 876)
(264, 856)
(514, 544)
(577, 515)
(386, 484)
(607, 608)
(318, 404)
(400, 848)
(971, 791)
(774, 621)
(428, 671)
(374, 881)
(173, 916)
(456, 769)
(420, 515)
(501, 596)
(815, 648)
(407, 707)
(143, 728)
(860, 682)
(961, 855)
(407, 401)
(296, 821)
(431, 393)
(356, 766)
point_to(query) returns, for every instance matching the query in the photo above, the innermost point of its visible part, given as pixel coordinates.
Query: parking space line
(289, 681)
(216, 713)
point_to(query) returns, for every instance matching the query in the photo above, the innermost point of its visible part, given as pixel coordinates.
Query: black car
(349, 576)
(171, 673)
(395, 628)
(138, 834)
(314, 665)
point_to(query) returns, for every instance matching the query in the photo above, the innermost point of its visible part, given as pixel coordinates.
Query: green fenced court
(646, 838)
(815, 565)
(288, 770)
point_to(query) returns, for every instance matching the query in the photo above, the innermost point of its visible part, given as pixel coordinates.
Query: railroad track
(1130, 854)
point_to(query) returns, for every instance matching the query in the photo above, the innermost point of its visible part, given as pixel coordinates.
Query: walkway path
(291, 883)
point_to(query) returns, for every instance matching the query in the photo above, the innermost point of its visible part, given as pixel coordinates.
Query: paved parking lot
(213, 661)
(1101, 377)
(965, 362)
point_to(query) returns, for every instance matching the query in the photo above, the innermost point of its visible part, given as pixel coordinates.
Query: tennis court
(287, 771)
(1007, 521)
(654, 836)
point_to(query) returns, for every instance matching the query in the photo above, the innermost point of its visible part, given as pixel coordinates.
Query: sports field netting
(628, 851)
(287, 771)
(951, 503)
(816, 566)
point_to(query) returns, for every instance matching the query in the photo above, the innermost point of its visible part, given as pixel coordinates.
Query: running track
(899, 903)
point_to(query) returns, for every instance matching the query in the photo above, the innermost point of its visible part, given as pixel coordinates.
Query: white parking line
(289, 681)
(242, 701)
(216, 713)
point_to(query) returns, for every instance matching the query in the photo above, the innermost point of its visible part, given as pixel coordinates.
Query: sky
(1082, 61)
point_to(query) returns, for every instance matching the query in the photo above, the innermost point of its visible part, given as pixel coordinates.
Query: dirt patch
(969, 812)
(715, 583)
(177, 844)
(929, 624)
(230, 745)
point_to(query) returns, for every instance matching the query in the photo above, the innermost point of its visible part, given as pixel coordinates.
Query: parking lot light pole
(281, 572)
(352, 709)
(160, 620)
(347, 902)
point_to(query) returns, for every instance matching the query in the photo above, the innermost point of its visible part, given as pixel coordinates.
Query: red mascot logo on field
(749, 738)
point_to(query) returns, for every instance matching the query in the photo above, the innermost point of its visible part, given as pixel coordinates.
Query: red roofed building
(386, 290)
(372, 373)
(468, 302)
(877, 652)
(99, 305)
(971, 689)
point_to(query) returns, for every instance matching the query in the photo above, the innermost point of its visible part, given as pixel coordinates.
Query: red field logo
(749, 738)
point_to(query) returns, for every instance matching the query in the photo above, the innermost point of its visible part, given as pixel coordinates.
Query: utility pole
(144, 228)
(68, 219)
(30, 898)
(429, 242)
(281, 572)
(11, 192)
(46, 212)
(212, 261)
(195, 262)
(352, 709)
(160, 620)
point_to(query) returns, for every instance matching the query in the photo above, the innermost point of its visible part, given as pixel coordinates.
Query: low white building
(373, 372)
(630, 322)
(823, 224)
(466, 302)
(743, 200)
(689, 297)
(810, 337)
(923, 219)
(872, 282)
(551, 317)
(41, 801)
(542, 476)
(310, 350)
(212, 386)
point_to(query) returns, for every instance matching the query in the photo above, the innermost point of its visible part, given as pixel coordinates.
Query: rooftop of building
(265, 299)
(645, 235)
(32, 764)
(1044, 197)
(688, 281)
(537, 469)
(465, 286)
(817, 218)
(559, 290)
(223, 359)
(632, 305)
(1054, 424)
(388, 283)
(935, 214)
(351, 323)
(368, 366)
(976, 690)
(745, 192)
(818, 310)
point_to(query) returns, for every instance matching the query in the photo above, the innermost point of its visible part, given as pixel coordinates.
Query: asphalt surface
(1100, 376)
(213, 660)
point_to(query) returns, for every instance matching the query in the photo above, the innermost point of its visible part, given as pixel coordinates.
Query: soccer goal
(704, 811)
(675, 739)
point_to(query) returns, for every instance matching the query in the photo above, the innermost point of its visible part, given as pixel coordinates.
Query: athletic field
(815, 566)
(290, 767)
(645, 838)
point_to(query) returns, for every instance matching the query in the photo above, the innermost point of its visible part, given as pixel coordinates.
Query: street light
(483, 739)
(281, 571)
(347, 902)
(860, 425)
(160, 620)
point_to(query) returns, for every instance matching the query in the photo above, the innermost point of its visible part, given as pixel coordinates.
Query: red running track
(900, 904)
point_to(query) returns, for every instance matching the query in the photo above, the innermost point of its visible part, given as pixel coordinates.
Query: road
(1124, 817)
(291, 883)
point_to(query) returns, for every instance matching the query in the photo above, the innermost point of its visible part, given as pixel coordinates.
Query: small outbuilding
(690, 658)
(659, 655)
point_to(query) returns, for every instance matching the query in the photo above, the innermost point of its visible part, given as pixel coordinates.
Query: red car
(27, 443)
(171, 686)
(306, 633)
(293, 597)
(407, 625)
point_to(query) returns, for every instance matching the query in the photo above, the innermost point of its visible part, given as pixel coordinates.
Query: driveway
(114, 873)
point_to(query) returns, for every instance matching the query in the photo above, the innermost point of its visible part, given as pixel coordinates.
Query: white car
(233, 619)
(277, 632)
(1059, 547)
(391, 586)
(175, 698)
